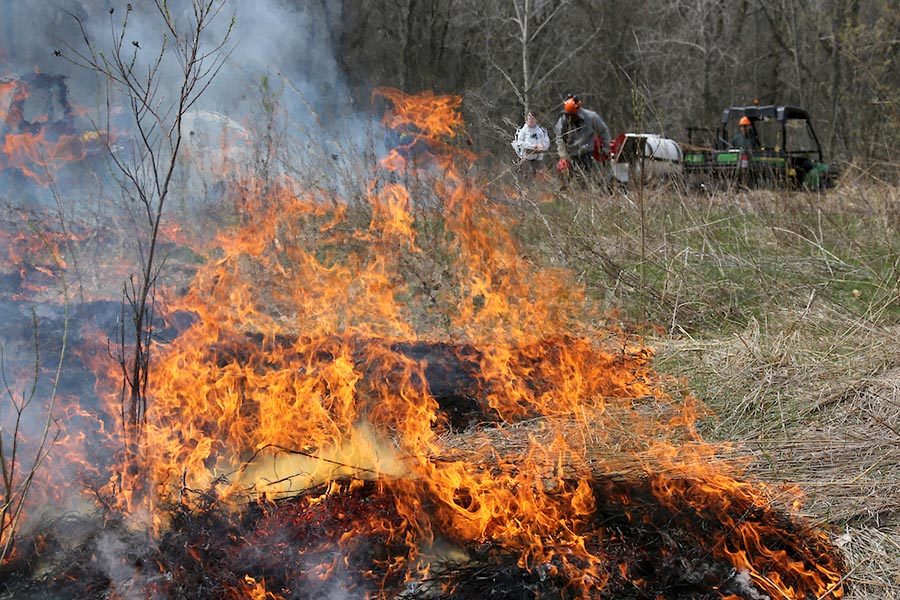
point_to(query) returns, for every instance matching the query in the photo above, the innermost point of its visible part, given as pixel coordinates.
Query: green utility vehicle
(782, 151)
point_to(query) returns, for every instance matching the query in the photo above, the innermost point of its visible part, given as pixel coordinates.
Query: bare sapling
(155, 102)
(21, 461)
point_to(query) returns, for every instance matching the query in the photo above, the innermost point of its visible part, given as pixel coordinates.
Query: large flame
(296, 372)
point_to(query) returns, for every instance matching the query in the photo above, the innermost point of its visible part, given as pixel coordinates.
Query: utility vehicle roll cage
(793, 131)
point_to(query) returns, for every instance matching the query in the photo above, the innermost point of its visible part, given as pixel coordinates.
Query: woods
(680, 62)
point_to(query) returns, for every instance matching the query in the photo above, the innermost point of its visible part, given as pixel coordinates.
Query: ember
(391, 401)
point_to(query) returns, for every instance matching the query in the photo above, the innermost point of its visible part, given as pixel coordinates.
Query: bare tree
(19, 464)
(156, 107)
(686, 53)
(541, 45)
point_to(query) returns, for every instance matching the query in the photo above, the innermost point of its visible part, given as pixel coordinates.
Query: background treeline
(652, 65)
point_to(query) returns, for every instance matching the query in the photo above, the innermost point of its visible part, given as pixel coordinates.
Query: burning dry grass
(819, 412)
(780, 311)
(539, 443)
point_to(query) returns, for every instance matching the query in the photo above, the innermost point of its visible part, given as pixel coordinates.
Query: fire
(12, 93)
(422, 124)
(39, 145)
(255, 590)
(327, 350)
(39, 157)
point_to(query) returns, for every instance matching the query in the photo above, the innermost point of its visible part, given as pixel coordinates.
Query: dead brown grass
(781, 312)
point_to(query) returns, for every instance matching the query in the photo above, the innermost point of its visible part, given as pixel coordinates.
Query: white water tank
(652, 155)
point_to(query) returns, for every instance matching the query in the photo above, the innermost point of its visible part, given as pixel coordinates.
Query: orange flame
(38, 157)
(37, 147)
(293, 374)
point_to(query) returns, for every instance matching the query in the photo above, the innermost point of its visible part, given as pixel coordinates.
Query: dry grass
(779, 311)
(822, 413)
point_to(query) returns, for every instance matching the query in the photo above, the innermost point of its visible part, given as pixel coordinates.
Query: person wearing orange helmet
(746, 138)
(576, 130)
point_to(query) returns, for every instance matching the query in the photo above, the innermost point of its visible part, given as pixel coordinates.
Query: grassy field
(781, 311)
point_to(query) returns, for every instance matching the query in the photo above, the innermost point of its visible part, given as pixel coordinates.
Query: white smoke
(281, 58)
(269, 39)
(743, 586)
(281, 73)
